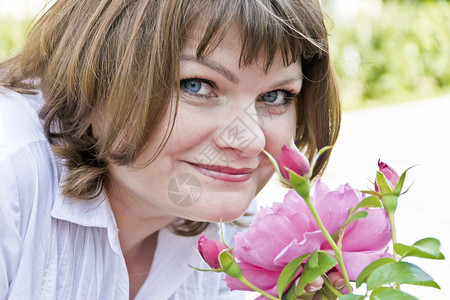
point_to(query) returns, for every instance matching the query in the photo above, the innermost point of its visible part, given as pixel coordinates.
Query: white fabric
(52, 247)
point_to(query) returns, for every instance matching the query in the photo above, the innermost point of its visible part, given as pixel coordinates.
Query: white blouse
(52, 247)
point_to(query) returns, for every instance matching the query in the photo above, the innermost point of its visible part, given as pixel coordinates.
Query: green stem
(330, 240)
(393, 232)
(394, 240)
(331, 287)
(257, 289)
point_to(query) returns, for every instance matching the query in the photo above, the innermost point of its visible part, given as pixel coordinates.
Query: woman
(129, 126)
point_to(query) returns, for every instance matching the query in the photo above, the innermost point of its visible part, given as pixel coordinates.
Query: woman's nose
(243, 133)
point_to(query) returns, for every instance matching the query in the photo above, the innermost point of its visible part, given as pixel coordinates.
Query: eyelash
(290, 95)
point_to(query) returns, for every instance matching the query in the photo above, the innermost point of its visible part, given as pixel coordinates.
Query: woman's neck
(138, 226)
(139, 261)
(136, 223)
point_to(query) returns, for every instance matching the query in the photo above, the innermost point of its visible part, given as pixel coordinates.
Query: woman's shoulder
(29, 173)
(20, 125)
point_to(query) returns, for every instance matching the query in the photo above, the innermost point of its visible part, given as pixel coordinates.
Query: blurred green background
(391, 51)
(383, 51)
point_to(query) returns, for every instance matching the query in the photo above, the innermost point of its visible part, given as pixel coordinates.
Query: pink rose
(210, 250)
(389, 173)
(294, 160)
(287, 230)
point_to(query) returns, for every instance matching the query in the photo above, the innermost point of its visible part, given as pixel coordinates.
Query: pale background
(21, 8)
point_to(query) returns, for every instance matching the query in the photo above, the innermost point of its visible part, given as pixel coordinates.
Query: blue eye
(270, 96)
(278, 97)
(192, 85)
(197, 87)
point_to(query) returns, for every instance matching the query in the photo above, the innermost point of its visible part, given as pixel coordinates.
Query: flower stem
(331, 287)
(257, 289)
(330, 240)
(393, 232)
(394, 240)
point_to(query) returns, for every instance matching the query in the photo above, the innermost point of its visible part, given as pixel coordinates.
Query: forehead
(230, 38)
(229, 44)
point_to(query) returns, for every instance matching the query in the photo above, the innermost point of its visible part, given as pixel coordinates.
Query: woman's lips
(224, 173)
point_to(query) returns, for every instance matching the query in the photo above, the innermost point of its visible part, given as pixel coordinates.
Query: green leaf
(401, 181)
(403, 250)
(290, 294)
(335, 235)
(316, 157)
(295, 178)
(288, 273)
(373, 193)
(371, 201)
(382, 184)
(372, 267)
(383, 293)
(206, 270)
(430, 246)
(326, 262)
(359, 215)
(400, 273)
(273, 161)
(351, 297)
(322, 150)
(424, 248)
(399, 186)
(377, 291)
(313, 261)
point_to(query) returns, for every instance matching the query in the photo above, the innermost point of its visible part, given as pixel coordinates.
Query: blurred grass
(401, 55)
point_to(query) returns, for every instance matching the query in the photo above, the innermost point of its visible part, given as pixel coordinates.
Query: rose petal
(264, 240)
(294, 160)
(320, 189)
(333, 207)
(209, 250)
(262, 278)
(311, 243)
(271, 231)
(389, 173)
(272, 291)
(355, 262)
(368, 234)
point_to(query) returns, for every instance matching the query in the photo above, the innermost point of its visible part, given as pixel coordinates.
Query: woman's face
(213, 165)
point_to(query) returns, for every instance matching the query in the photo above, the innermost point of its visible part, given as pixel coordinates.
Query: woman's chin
(232, 207)
(221, 213)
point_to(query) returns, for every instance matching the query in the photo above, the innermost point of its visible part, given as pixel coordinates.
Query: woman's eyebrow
(214, 66)
(292, 79)
(295, 78)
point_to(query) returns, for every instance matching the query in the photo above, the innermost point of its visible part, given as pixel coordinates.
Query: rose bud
(389, 173)
(210, 250)
(293, 160)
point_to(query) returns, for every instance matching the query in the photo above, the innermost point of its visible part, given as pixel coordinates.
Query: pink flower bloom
(210, 250)
(287, 230)
(390, 174)
(293, 160)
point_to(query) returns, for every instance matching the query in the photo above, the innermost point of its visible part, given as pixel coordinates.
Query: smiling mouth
(224, 173)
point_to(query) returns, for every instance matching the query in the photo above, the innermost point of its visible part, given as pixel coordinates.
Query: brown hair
(123, 56)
